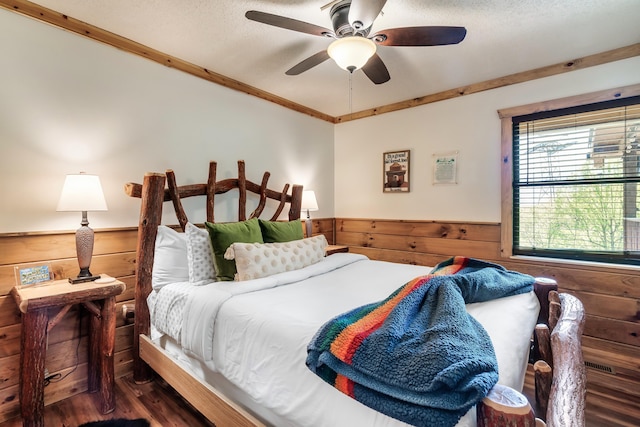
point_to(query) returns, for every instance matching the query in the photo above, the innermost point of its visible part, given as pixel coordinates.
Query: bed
(237, 350)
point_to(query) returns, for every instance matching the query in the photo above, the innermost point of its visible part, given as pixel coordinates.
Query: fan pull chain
(351, 94)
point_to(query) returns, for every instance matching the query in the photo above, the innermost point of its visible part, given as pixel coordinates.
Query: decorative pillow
(254, 260)
(281, 231)
(170, 262)
(200, 255)
(223, 235)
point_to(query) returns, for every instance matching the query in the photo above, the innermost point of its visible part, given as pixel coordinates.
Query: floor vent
(600, 367)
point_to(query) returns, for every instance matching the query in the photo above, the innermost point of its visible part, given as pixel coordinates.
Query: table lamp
(309, 203)
(82, 193)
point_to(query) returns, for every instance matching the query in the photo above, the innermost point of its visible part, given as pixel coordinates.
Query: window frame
(506, 173)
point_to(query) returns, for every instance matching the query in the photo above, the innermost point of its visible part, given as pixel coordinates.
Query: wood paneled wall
(114, 254)
(611, 297)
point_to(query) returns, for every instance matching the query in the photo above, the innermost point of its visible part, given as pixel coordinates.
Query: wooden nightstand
(334, 249)
(34, 303)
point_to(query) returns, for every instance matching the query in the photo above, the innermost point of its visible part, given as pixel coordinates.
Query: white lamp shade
(309, 202)
(351, 53)
(82, 192)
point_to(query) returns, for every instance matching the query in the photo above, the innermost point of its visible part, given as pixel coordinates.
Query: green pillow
(223, 235)
(281, 231)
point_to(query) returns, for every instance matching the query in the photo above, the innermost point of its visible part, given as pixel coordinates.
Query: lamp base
(84, 249)
(308, 225)
(76, 280)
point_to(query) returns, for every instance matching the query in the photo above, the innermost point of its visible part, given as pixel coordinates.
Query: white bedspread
(204, 302)
(255, 334)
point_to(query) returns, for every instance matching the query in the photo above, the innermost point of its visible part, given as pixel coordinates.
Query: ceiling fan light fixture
(351, 53)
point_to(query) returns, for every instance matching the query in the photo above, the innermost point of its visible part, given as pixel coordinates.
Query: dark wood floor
(156, 401)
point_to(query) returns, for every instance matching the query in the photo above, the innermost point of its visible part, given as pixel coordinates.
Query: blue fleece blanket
(418, 356)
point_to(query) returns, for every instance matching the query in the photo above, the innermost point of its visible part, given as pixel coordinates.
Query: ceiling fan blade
(362, 13)
(308, 63)
(288, 23)
(376, 70)
(420, 36)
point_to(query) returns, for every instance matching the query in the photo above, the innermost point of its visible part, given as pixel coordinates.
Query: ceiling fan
(352, 48)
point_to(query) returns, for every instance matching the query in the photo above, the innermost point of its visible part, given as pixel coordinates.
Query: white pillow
(199, 255)
(255, 260)
(170, 262)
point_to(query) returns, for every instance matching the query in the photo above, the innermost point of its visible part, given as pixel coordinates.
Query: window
(574, 182)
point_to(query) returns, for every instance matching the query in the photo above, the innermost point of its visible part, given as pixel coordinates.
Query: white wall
(70, 104)
(469, 125)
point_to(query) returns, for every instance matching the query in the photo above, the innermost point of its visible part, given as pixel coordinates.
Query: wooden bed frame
(560, 376)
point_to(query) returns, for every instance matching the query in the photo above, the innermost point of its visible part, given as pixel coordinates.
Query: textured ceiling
(503, 37)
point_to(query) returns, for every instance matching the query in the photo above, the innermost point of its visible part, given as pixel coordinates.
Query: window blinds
(576, 175)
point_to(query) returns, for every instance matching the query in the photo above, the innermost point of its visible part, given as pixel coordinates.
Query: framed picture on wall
(445, 168)
(395, 170)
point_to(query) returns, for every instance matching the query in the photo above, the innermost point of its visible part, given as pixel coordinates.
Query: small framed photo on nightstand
(32, 274)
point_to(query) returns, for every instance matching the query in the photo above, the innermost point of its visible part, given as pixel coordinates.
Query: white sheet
(259, 337)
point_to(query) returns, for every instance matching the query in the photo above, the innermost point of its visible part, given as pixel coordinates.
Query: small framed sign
(395, 172)
(31, 274)
(445, 168)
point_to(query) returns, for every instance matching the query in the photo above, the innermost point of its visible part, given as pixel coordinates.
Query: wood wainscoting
(611, 297)
(113, 254)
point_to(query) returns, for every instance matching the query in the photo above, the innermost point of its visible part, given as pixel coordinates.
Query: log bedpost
(542, 287)
(150, 218)
(296, 202)
(542, 335)
(504, 406)
(543, 379)
(555, 309)
(568, 390)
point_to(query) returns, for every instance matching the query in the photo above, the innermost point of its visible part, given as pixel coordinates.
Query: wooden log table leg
(95, 343)
(33, 344)
(108, 342)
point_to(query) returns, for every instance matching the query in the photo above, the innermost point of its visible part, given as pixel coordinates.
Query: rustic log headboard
(153, 194)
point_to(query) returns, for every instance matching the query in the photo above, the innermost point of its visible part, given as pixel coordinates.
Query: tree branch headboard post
(153, 194)
(150, 218)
